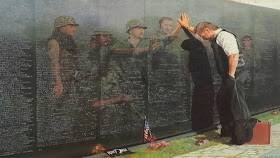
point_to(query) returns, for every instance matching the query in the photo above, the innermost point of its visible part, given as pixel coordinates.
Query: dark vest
(68, 56)
(221, 58)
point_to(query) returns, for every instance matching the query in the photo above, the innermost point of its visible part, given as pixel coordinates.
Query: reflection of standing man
(100, 43)
(129, 60)
(168, 72)
(63, 54)
(231, 102)
(251, 58)
(130, 56)
(99, 87)
(100, 60)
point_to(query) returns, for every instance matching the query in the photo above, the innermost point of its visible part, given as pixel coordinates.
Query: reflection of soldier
(248, 51)
(251, 58)
(135, 43)
(129, 56)
(165, 27)
(169, 70)
(168, 35)
(100, 85)
(63, 54)
(129, 60)
(99, 73)
(171, 40)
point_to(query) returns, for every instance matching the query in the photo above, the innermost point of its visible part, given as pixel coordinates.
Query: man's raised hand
(184, 20)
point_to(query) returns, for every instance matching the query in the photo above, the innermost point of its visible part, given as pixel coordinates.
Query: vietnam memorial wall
(32, 122)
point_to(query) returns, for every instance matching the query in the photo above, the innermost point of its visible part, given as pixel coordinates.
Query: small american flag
(146, 129)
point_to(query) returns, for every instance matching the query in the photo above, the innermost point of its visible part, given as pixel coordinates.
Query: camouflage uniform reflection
(173, 42)
(252, 61)
(129, 59)
(169, 77)
(63, 54)
(100, 85)
(170, 37)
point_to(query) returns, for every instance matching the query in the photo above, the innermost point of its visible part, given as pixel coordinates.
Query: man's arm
(137, 50)
(53, 51)
(232, 63)
(228, 43)
(123, 97)
(130, 50)
(176, 31)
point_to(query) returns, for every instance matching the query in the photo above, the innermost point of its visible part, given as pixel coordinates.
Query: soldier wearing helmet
(100, 37)
(96, 72)
(62, 51)
(135, 43)
(129, 60)
(100, 43)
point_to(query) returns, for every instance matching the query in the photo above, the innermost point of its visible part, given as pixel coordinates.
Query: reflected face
(103, 39)
(246, 42)
(68, 29)
(166, 26)
(205, 34)
(137, 32)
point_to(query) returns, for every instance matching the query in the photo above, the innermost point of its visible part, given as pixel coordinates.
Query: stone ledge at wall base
(261, 134)
(180, 136)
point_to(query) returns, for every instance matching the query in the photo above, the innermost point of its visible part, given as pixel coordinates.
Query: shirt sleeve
(228, 42)
(118, 44)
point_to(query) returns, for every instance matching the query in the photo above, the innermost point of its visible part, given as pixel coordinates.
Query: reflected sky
(274, 4)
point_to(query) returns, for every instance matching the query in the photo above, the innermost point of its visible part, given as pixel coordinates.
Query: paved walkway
(242, 151)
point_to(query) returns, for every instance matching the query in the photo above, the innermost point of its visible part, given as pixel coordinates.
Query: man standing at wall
(99, 89)
(63, 54)
(62, 51)
(252, 60)
(96, 71)
(231, 102)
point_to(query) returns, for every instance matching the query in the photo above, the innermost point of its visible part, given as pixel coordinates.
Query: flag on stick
(146, 129)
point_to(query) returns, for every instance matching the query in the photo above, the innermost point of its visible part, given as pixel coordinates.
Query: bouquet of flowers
(154, 145)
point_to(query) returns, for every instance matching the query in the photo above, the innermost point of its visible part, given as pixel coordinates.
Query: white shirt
(227, 41)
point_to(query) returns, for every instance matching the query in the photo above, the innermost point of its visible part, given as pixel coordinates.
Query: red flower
(151, 139)
(155, 146)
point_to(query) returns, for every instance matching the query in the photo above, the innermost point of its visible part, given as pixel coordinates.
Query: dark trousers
(231, 103)
(202, 107)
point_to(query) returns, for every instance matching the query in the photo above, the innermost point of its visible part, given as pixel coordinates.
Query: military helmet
(134, 23)
(101, 31)
(64, 20)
